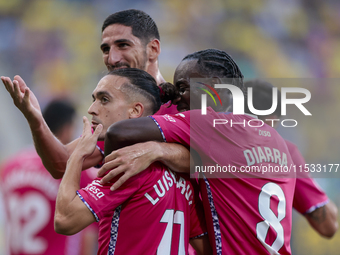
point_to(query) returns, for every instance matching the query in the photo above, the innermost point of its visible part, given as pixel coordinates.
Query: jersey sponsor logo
(180, 114)
(264, 133)
(165, 183)
(168, 118)
(265, 154)
(94, 190)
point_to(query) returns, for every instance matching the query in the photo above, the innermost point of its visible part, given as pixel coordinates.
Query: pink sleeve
(101, 201)
(174, 128)
(197, 221)
(167, 109)
(308, 195)
(87, 176)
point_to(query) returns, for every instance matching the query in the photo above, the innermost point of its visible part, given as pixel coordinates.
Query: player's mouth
(121, 67)
(118, 66)
(94, 125)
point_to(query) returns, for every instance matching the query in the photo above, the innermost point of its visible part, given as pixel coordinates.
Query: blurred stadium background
(54, 46)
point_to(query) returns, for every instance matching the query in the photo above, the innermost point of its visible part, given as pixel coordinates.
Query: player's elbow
(329, 230)
(324, 220)
(332, 215)
(62, 226)
(57, 170)
(115, 138)
(115, 133)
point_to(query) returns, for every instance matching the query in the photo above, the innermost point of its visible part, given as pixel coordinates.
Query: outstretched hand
(23, 98)
(128, 161)
(87, 142)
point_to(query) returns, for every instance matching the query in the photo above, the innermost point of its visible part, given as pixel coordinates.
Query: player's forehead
(116, 32)
(187, 69)
(110, 85)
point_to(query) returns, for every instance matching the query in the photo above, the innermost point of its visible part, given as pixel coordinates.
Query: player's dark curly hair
(213, 63)
(217, 63)
(143, 82)
(143, 26)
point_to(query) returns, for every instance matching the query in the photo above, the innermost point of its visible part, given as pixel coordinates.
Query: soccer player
(244, 215)
(309, 199)
(30, 194)
(154, 213)
(130, 38)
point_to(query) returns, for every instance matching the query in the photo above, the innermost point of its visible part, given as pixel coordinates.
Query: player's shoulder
(291, 146)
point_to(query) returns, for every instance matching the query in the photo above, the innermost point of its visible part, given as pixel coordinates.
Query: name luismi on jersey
(167, 182)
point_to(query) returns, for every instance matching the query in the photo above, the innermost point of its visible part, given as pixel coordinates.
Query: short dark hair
(263, 95)
(58, 113)
(143, 26)
(144, 82)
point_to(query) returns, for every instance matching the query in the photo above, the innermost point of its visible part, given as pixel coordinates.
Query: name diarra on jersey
(261, 154)
(163, 185)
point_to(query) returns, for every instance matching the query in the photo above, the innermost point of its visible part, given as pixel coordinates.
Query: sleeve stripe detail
(160, 129)
(216, 223)
(114, 230)
(99, 165)
(203, 234)
(88, 206)
(314, 207)
(101, 151)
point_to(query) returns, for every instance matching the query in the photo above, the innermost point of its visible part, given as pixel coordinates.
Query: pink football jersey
(248, 210)
(167, 109)
(308, 195)
(154, 212)
(29, 195)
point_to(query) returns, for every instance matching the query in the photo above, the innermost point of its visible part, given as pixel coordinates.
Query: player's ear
(136, 111)
(216, 80)
(153, 49)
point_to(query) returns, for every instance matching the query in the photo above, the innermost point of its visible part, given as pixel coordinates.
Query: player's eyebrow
(101, 93)
(123, 41)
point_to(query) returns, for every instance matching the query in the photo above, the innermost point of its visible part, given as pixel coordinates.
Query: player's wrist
(37, 124)
(157, 151)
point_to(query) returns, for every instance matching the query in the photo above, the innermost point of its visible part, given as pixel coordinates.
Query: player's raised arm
(141, 140)
(71, 214)
(53, 153)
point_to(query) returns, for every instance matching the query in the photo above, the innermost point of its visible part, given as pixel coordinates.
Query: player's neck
(155, 73)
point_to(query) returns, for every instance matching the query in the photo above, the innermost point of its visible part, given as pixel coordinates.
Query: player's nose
(114, 57)
(93, 109)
